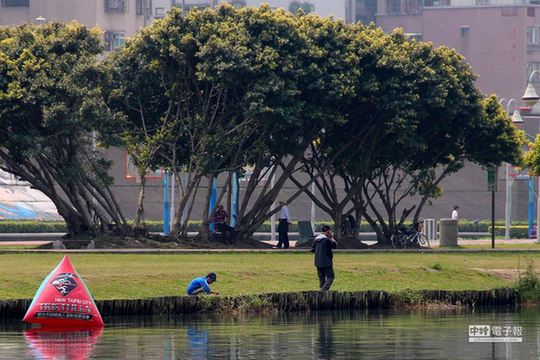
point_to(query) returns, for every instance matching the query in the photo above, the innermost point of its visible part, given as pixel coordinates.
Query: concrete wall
(467, 188)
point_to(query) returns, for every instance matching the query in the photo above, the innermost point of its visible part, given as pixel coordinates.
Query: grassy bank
(129, 276)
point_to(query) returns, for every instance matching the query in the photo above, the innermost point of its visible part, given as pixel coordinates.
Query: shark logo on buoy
(64, 283)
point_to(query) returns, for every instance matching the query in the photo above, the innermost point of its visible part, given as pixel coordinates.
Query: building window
(15, 3)
(193, 5)
(530, 12)
(159, 13)
(365, 11)
(464, 32)
(393, 6)
(412, 6)
(116, 6)
(306, 6)
(436, 3)
(238, 3)
(533, 35)
(114, 40)
(532, 66)
(143, 7)
(510, 11)
(482, 2)
(414, 36)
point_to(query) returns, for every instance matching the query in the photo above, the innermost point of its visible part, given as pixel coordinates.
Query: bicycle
(413, 237)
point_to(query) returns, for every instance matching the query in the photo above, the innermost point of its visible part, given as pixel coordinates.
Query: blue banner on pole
(213, 201)
(234, 204)
(531, 204)
(166, 205)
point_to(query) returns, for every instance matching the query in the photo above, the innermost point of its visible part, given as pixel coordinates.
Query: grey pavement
(27, 239)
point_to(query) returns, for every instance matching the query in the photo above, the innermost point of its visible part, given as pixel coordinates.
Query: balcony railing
(475, 3)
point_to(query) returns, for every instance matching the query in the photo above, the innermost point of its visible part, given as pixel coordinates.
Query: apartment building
(499, 38)
(117, 18)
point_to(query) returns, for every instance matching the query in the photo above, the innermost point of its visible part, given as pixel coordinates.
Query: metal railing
(475, 3)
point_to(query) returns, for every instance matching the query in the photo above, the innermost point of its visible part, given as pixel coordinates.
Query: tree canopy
(50, 102)
(213, 92)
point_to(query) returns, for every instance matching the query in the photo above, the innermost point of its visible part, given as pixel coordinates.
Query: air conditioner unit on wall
(115, 5)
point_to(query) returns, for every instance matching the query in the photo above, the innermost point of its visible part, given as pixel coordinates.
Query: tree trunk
(140, 203)
(205, 226)
(337, 218)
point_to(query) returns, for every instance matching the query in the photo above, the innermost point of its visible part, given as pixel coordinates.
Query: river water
(416, 334)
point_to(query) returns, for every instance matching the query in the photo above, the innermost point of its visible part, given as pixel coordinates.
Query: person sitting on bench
(200, 284)
(220, 222)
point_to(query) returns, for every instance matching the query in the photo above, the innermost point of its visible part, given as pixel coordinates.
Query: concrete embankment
(285, 302)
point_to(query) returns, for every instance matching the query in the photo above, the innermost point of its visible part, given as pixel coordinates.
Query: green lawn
(111, 276)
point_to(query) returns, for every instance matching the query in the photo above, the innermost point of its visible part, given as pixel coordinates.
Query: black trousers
(226, 231)
(283, 234)
(326, 277)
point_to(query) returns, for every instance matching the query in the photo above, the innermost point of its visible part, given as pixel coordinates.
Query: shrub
(528, 283)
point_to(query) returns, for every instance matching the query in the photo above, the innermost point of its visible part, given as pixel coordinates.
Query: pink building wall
(496, 47)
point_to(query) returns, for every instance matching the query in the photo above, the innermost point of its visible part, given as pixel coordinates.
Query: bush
(518, 230)
(31, 226)
(528, 283)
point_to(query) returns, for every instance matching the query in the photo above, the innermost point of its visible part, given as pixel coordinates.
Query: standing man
(283, 226)
(322, 247)
(455, 215)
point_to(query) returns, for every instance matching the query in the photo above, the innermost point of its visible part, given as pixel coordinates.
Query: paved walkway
(37, 239)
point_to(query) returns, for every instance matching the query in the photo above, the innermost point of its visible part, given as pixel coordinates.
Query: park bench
(84, 243)
(306, 234)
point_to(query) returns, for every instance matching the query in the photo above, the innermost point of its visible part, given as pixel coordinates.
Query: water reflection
(53, 343)
(326, 338)
(316, 335)
(197, 338)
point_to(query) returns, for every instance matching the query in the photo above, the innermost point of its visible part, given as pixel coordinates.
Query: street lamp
(516, 119)
(531, 98)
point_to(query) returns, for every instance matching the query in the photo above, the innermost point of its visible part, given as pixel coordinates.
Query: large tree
(235, 88)
(430, 119)
(50, 107)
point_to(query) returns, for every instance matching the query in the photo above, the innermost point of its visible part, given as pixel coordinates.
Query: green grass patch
(117, 276)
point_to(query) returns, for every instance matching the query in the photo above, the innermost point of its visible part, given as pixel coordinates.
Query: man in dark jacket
(322, 247)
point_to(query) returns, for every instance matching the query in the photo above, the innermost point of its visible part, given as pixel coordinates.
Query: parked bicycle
(413, 237)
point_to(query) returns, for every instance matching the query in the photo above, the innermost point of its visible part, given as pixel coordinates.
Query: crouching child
(201, 284)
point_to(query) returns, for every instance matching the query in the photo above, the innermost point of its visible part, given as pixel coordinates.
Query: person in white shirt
(283, 226)
(455, 215)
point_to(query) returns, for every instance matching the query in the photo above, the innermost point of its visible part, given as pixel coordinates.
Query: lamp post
(531, 98)
(516, 119)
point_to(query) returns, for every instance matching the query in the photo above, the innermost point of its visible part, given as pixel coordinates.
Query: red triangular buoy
(63, 300)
